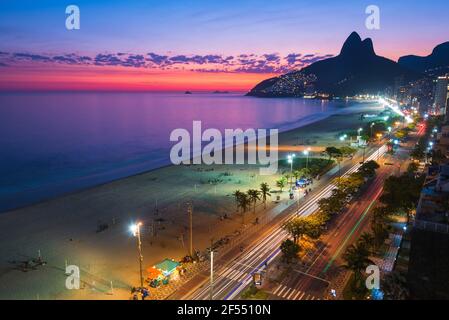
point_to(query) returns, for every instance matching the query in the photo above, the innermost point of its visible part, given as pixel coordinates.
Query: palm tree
(357, 259)
(265, 191)
(244, 202)
(297, 174)
(253, 195)
(366, 239)
(281, 183)
(237, 194)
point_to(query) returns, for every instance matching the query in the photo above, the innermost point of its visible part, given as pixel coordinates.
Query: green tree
(300, 226)
(332, 152)
(380, 234)
(357, 259)
(347, 151)
(401, 193)
(281, 183)
(265, 191)
(237, 194)
(368, 169)
(366, 239)
(254, 196)
(289, 250)
(350, 184)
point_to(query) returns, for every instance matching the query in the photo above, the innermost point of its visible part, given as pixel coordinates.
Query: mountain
(437, 62)
(357, 69)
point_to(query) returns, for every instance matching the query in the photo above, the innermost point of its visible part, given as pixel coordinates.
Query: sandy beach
(64, 230)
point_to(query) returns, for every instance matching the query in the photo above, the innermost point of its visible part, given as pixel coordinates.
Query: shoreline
(64, 228)
(289, 128)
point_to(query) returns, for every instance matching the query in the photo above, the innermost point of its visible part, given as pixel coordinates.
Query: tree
(380, 233)
(357, 259)
(265, 191)
(289, 250)
(368, 169)
(244, 202)
(300, 226)
(281, 183)
(237, 194)
(297, 174)
(366, 239)
(401, 193)
(288, 178)
(412, 168)
(347, 151)
(332, 152)
(350, 184)
(253, 195)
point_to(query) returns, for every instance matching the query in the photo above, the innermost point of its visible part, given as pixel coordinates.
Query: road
(233, 277)
(312, 281)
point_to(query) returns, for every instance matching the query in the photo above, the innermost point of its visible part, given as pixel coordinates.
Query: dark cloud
(33, 57)
(249, 63)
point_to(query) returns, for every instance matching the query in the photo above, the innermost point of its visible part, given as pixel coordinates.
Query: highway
(232, 278)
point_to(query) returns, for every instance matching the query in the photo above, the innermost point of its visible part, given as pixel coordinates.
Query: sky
(196, 44)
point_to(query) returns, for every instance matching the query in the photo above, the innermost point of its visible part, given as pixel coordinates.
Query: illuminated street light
(135, 230)
(306, 153)
(290, 160)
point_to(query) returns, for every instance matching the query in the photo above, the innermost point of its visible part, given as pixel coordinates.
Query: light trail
(236, 275)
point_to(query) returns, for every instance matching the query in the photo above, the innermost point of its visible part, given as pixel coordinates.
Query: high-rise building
(441, 91)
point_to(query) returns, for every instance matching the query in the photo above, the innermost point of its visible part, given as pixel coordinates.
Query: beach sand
(65, 229)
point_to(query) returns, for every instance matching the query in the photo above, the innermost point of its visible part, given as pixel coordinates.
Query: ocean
(53, 143)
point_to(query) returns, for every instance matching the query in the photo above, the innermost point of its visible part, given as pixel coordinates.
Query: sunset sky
(196, 44)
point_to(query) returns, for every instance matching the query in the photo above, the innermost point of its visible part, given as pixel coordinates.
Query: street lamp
(306, 153)
(371, 127)
(290, 160)
(135, 230)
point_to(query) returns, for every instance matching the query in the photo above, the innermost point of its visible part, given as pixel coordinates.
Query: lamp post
(290, 160)
(135, 229)
(371, 127)
(306, 153)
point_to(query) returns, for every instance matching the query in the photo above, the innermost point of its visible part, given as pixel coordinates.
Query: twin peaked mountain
(357, 69)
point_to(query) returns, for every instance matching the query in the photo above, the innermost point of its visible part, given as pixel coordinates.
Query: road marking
(290, 295)
(286, 293)
(296, 295)
(280, 292)
(277, 289)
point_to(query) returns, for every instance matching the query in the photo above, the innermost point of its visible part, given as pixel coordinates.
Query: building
(441, 94)
(428, 270)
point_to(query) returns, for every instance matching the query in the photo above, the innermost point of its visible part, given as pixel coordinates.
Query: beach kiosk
(168, 269)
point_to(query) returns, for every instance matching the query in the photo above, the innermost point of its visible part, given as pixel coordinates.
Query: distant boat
(188, 92)
(222, 92)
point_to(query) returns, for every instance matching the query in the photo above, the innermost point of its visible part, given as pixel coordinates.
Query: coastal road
(313, 281)
(231, 278)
